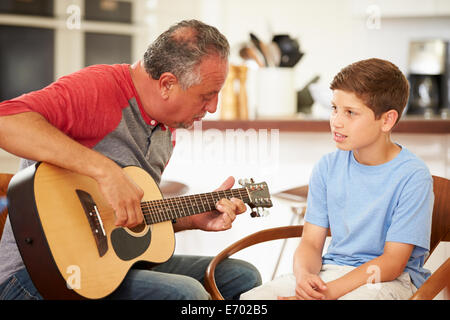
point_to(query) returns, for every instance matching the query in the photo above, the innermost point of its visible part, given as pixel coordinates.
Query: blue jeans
(180, 278)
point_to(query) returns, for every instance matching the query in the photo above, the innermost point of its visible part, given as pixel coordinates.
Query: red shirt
(86, 105)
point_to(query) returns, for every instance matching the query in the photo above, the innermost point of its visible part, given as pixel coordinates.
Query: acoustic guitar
(66, 234)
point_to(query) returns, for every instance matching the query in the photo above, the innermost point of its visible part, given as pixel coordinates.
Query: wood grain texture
(70, 237)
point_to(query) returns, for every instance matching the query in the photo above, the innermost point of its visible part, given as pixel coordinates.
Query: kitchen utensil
(262, 47)
(242, 94)
(290, 50)
(248, 53)
(229, 101)
(275, 52)
(304, 97)
(234, 103)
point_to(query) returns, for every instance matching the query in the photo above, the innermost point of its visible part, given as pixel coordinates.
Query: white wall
(330, 33)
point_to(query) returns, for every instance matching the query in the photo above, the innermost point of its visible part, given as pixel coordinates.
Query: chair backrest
(440, 225)
(4, 182)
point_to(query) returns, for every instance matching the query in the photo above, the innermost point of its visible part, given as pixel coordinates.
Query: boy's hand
(331, 292)
(309, 287)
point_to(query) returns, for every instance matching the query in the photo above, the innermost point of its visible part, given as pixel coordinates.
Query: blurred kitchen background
(272, 118)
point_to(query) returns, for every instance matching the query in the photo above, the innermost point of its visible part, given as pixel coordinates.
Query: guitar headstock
(259, 196)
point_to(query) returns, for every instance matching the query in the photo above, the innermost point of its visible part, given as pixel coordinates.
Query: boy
(374, 195)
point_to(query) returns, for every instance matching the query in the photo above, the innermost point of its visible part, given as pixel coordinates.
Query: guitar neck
(156, 211)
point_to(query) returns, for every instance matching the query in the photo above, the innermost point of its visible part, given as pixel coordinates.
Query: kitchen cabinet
(85, 32)
(443, 7)
(401, 8)
(25, 70)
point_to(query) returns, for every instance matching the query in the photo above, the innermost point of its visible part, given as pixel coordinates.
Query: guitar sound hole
(139, 228)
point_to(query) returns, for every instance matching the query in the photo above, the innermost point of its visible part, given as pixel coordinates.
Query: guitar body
(69, 251)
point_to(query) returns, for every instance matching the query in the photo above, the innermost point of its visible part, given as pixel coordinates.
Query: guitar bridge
(95, 221)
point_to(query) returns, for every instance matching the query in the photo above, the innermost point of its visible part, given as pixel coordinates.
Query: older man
(104, 117)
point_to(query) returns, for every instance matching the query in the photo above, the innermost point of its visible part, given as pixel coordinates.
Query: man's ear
(166, 83)
(389, 119)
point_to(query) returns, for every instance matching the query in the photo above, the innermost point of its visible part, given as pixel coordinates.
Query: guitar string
(167, 209)
(186, 200)
(160, 210)
(185, 203)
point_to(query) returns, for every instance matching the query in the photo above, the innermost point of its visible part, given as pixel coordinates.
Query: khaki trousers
(398, 289)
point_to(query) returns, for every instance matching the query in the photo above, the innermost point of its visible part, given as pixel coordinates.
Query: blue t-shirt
(365, 206)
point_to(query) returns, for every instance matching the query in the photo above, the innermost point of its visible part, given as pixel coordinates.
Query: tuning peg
(245, 182)
(254, 213)
(259, 212)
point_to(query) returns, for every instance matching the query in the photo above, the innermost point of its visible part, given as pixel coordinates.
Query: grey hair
(181, 48)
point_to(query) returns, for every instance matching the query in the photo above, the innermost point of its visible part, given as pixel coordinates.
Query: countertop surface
(406, 125)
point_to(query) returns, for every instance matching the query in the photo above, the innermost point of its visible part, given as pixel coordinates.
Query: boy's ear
(389, 119)
(166, 83)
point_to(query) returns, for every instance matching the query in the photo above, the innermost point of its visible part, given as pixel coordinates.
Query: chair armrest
(435, 283)
(255, 238)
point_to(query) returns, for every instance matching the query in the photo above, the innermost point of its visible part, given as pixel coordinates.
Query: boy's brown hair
(378, 83)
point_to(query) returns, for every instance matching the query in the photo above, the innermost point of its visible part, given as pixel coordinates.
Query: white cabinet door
(400, 8)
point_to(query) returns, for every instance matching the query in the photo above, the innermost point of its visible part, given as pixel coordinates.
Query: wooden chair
(4, 182)
(440, 231)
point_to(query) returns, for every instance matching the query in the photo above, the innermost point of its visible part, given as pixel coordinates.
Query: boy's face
(353, 124)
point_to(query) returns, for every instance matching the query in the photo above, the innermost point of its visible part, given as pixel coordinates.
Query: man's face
(186, 106)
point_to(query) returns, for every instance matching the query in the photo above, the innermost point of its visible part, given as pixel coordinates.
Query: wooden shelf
(407, 125)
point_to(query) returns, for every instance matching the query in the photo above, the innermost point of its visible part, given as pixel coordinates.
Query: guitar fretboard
(156, 211)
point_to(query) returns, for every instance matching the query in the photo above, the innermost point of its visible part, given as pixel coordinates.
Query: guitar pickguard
(128, 247)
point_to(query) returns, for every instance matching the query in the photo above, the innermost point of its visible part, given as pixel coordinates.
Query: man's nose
(211, 105)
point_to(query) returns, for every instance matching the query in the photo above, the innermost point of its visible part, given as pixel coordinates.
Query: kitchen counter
(406, 125)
